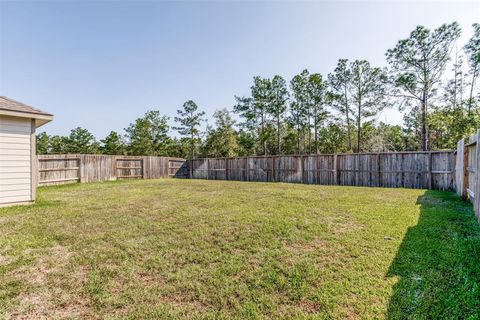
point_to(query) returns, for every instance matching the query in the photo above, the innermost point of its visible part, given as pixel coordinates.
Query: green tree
(447, 126)
(367, 92)
(333, 138)
(58, 144)
(472, 49)
(246, 142)
(43, 143)
(278, 105)
(148, 136)
(189, 119)
(299, 108)
(382, 138)
(412, 129)
(417, 64)
(254, 111)
(81, 141)
(339, 82)
(112, 144)
(316, 91)
(222, 141)
(454, 88)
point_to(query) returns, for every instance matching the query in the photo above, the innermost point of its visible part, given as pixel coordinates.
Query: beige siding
(15, 163)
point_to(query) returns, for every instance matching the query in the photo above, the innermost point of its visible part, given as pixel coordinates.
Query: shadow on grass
(438, 262)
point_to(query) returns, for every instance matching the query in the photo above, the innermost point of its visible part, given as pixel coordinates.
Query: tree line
(313, 113)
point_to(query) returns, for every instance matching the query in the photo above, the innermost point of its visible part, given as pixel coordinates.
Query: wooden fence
(424, 170)
(70, 168)
(467, 170)
(441, 170)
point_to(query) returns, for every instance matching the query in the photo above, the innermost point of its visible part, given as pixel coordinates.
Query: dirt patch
(4, 260)
(317, 244)
(41, 299)
(310, 307)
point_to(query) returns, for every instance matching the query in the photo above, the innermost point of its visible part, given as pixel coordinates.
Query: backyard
(198, 249)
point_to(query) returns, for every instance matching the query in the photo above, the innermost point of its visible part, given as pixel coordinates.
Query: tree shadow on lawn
(438, 262)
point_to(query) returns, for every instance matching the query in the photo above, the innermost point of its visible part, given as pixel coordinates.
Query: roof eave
(40, 119)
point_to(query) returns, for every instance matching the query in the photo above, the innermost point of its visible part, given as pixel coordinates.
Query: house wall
(16, 154)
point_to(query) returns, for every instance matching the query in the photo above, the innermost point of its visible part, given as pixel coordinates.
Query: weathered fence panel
(60, 169)
(476, 165)
(467, 167)
(176, 168)
(97, 168)
(131, 168)
(424, 170)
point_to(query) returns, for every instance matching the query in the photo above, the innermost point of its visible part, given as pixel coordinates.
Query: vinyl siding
(15, 160)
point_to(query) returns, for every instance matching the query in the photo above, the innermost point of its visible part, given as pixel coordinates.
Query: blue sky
(100, 65)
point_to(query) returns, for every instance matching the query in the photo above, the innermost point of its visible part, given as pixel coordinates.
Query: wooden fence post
(459, 167)
(273, 168)
(302, 163)
(337, 172)
(335, 156)
(81, 168)
(190, 168)
(378, 170)
(145, 170)
(465, 173)
(476, 205)
(226, 169)
(208, 168)
(430, 174)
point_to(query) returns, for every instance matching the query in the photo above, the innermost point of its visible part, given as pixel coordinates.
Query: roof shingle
(12, 105)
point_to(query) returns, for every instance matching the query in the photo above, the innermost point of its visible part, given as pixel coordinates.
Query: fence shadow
(438, 262)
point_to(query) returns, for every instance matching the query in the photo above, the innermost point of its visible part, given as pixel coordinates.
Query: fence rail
(425, 170)
(60, 169)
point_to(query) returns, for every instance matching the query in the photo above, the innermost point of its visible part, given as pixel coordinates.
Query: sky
(101, 65)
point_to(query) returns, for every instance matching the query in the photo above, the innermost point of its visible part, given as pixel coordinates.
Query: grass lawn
(200, 249)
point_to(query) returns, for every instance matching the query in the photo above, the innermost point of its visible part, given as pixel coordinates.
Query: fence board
(476, 164)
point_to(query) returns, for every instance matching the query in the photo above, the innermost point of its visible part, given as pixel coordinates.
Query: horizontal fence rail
(71, 168)
(421, 170)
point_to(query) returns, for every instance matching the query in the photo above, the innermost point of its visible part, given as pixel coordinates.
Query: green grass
(195, 249)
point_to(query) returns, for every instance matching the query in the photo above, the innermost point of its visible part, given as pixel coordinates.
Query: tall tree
(299, 109)
(417, 64)
(254, 110)
(472, 50)
(112, 144)
(58, 144)
(190, 119)
(339, 82)
(43, 143)
(278, 105)
(261, 99)
(316, 90)
(454, 88)
(81, 140)
(367, 93)
(223, 140)
(333, 138)
(148, 135)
